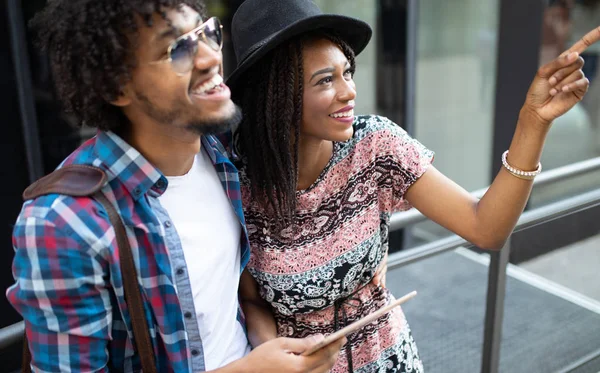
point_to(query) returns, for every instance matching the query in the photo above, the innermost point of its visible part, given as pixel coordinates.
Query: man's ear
(124, 98)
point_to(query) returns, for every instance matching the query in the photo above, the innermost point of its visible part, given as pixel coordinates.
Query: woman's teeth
(213, 83)
(344, 114)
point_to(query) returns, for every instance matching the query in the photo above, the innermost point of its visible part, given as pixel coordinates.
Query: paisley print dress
(317, 274)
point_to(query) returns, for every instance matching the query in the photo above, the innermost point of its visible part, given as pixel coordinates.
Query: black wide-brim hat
(259, 26)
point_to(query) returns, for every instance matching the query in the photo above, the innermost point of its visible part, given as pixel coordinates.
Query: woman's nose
(347, 91)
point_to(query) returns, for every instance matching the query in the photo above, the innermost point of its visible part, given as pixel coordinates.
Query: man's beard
(205, 127)
(198, 126)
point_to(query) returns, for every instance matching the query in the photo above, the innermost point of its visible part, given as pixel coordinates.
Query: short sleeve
(400, 161)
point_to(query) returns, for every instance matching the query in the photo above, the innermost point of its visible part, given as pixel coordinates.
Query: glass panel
(564, 23)
(456, 70)
(576, 135)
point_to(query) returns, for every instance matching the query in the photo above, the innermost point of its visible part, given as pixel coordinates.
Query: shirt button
(160, 184)
(187, 315)
(180, 271)
(137, 191)
(168, 224)
(195, 352)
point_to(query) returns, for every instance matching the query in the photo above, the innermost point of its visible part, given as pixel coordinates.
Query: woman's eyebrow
(322, 71)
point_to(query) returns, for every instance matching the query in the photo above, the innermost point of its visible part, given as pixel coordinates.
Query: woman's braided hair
(91, 45)
(267, 139)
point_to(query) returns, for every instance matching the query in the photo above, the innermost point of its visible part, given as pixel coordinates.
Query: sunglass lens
(182, 54)
(213, 34)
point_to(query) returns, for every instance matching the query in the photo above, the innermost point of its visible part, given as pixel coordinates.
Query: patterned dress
(317, 274)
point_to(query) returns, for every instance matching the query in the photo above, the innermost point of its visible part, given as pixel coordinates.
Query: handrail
(496, 286)
(528, 219)
(405, 218)
(11, 334)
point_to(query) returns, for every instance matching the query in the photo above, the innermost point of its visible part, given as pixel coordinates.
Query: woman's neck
(313, 156)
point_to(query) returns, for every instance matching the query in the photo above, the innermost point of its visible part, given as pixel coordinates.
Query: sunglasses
(183, 50)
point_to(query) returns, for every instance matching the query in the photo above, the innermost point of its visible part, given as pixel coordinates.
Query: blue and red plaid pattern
(69, 286)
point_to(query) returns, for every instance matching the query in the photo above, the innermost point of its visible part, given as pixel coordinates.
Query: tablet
(358, 324)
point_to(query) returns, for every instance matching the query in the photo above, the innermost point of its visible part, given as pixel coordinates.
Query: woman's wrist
(531, 123)
(261, 333)
(260, 339)
(528, 141)
(530, 132)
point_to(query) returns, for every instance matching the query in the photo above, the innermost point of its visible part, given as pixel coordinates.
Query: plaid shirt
(69, 286)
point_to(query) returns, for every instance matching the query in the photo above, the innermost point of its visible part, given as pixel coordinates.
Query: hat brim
(353, 31)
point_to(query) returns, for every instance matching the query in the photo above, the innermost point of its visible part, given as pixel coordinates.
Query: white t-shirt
(210, 237)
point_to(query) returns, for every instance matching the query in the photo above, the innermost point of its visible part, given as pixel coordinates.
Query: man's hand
(283, 355)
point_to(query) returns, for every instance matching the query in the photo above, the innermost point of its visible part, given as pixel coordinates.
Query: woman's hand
(380, 275)
(559, 84)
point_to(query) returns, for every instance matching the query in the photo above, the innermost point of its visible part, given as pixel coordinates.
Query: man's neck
(171, 150)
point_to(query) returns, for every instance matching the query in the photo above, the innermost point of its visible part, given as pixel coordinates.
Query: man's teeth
(344, 114)
(212, 83)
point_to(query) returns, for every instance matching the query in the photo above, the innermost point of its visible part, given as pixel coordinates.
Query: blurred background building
(454, 74)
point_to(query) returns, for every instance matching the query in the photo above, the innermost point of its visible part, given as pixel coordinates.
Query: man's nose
(207, 58)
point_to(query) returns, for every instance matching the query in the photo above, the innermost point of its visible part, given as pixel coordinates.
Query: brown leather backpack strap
(133, 297)
(80, 181)
(71, 180)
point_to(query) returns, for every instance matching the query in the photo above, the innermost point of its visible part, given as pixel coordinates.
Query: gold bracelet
(525, 175)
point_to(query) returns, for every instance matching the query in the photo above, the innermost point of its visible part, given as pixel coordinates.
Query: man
(146, 73)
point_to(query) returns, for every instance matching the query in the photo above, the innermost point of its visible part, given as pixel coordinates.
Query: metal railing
(497, 267)
(496, 291)
(402, 219)
(498, 259)
(11, 335)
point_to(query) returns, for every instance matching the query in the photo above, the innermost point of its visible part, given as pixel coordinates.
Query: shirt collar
(215, 150)
(126, 164)
(137, 174)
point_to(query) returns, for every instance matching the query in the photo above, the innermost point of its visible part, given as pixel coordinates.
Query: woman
(320, 184)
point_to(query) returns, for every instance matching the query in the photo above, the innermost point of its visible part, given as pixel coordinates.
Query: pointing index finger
(585, 42)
